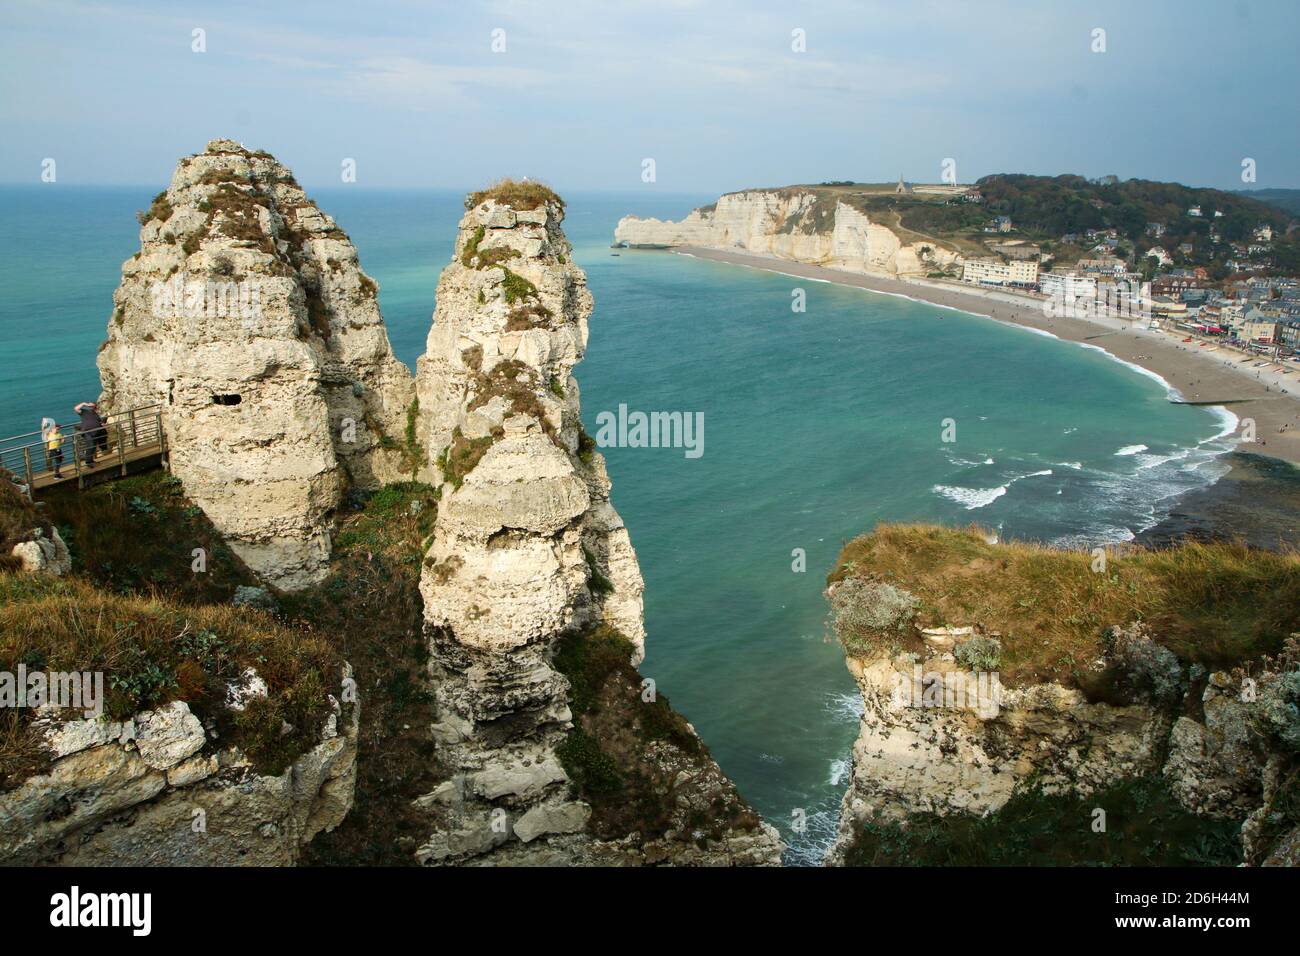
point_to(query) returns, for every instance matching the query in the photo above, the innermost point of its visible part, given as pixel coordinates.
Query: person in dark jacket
(91, 427)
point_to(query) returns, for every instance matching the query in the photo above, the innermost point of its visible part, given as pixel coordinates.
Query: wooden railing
(131, 436)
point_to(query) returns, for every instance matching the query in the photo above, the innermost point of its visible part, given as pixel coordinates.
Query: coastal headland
(1201, 375)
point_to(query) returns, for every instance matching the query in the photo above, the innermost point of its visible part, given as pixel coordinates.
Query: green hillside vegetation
(1287, 200)
(1045, 208)
(152, 650)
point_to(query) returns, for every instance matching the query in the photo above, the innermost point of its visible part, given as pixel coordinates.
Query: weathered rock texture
(793, 224)
(911, 757)
(130, 794)
(44, 554)
(526, 548)
(247, 316)
(28, 541)
(512, 541)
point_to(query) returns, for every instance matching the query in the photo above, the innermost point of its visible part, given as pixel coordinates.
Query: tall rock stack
(247, 317)
(525, 529)
(527, 553)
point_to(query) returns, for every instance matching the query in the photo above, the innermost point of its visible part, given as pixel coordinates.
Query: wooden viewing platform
(133, 441)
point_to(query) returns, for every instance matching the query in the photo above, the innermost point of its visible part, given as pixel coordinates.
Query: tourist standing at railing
(52, 439)
(94, 434)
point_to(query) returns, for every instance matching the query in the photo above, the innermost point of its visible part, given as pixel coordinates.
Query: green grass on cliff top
(1214, 604)
(517, 194)
(152, 650)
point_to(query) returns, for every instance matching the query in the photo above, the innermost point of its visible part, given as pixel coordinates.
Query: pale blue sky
(711, 90)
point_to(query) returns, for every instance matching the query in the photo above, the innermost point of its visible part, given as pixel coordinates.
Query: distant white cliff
(802, 225)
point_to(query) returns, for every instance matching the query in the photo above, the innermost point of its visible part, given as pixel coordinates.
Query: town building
(1174, 284)
(1067, 286)
(1260, 326)
(991, 271)
(1106, 266)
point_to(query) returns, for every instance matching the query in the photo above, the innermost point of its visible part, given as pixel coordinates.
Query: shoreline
(1199, 375)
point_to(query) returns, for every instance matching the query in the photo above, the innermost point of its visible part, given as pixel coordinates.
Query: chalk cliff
(158, 790)
(933, 742)
(246, 315)
(529, 556)
(800, 224)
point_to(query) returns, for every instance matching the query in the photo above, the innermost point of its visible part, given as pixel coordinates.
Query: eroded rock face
(790, 224)
(911, 757)
(525, 521)
(923, 752)
(153, 791)
(1215, 764)
(247, 316)
(526, 548)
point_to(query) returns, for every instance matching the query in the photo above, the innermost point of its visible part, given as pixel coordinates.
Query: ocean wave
(840, 770)
(969, 462)
(1228, 420)
(1130, 450)
(1101, 536)
(845, 707)
(809, 847)
(970, 498)
(973, 498)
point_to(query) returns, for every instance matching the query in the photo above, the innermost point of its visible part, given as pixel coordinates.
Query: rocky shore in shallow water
(1257, 501)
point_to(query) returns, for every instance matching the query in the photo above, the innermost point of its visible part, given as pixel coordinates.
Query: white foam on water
(1229, 423)
(968, 462)
(1130, 450)
(1092, 539)
(970, 498)
(973, 498)
(840, 770)
(845, 707)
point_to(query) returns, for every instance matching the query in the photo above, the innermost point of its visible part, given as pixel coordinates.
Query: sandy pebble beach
(1213, 375)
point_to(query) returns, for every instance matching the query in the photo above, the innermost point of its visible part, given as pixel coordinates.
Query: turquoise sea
(817, 426)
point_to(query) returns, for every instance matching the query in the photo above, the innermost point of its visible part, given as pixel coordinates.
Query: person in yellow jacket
(53, 440)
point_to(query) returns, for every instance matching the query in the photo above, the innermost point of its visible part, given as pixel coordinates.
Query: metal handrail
(67, 426)
(135, 429)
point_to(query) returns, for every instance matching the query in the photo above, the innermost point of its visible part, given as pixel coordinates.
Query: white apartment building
(1067, 286)
(996, 272)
